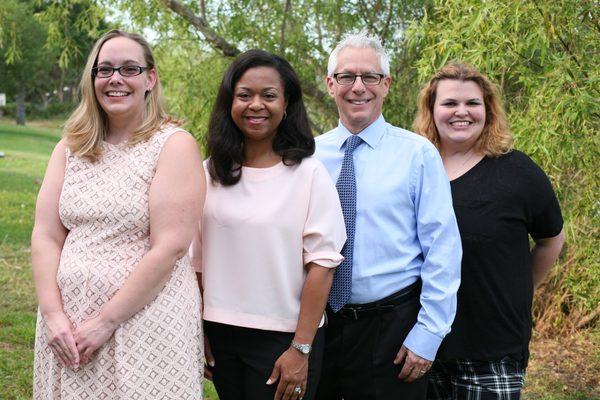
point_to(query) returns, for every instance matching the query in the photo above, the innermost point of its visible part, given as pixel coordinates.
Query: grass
(562, 368)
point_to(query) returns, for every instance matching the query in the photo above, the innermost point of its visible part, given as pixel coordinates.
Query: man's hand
(414, 366)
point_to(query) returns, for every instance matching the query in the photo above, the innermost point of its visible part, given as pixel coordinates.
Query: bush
(37, 111)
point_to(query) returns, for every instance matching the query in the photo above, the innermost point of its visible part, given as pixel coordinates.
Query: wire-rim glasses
(368, 79)
(124, 70)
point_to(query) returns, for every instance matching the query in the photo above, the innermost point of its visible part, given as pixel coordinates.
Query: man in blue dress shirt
(404, 248)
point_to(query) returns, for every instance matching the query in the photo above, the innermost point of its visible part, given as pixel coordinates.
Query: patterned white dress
(156, 354)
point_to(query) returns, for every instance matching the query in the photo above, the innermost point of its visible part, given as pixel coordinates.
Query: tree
(23, 58)
(31, 60)
(544, 54)
(203, 36)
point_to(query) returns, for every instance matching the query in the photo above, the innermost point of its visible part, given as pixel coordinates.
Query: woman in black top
(500, 197)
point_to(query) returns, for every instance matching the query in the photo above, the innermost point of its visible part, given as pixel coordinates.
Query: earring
(284, 115)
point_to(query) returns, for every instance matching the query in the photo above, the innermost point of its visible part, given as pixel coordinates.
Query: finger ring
(423, 371)
(297, 390)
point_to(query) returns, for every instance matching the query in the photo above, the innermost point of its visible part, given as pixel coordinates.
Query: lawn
(562, 368)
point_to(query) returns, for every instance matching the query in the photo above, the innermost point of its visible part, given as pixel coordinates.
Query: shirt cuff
(328, 259)
(422, 342)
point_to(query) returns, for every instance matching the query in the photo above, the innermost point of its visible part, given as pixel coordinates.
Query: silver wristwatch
(302, 347)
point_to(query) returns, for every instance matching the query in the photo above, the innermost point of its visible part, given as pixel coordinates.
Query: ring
(423, 371)
(297, 390)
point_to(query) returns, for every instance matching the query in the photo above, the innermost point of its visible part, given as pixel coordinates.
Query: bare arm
(47, 241)
(544, 255)
(312, 303)
(292, 367)
(175, 201)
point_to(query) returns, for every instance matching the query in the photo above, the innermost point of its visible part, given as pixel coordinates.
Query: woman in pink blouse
(272, 233)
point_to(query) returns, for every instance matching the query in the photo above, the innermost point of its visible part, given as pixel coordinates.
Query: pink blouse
(258, 235)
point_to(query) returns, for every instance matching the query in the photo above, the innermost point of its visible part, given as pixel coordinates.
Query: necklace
(455, 172)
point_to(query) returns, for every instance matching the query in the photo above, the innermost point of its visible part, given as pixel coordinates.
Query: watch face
(302, 348)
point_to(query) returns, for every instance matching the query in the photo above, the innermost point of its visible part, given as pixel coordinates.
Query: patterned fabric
(476, 380)
(156, 354)
(346, 186)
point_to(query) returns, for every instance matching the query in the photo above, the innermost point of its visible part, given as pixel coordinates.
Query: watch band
(303, 348)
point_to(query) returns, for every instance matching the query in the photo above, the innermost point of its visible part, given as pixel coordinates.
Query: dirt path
(565, 367)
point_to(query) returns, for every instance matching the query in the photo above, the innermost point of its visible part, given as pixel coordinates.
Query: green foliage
(43, 47)
(542, 55)
(23, 58)
(36, 111)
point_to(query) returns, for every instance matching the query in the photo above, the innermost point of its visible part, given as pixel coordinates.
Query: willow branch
(216, 41)
(286, 10)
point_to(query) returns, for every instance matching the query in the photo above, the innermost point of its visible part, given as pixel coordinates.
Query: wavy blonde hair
(495, 139)
(87, 126)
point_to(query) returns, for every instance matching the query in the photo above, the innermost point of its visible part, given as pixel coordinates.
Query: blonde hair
(495, 139)
(87, 126)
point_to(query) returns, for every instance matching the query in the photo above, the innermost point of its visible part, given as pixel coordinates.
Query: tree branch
(286, 10)
(562, 41)
(384, 32)
(200, 23)
(203, 9)
(229, 50)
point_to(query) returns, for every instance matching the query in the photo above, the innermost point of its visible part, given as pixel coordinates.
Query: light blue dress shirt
(405, 225)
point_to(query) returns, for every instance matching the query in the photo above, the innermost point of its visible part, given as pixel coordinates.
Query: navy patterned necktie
(346, 187)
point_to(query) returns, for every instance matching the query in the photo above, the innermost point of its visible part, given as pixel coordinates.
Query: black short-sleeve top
(499, 203)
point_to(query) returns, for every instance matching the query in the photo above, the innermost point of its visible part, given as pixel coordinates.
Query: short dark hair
(294, 139)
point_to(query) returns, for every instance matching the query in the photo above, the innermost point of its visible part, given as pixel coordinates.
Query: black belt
(356, 311)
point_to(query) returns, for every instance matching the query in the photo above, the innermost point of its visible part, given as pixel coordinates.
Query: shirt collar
(371, 135)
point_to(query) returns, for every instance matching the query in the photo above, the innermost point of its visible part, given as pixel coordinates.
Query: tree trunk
(20, 111)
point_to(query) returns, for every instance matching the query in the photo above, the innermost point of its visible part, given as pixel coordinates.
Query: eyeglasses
(369, 79)
(124, 70)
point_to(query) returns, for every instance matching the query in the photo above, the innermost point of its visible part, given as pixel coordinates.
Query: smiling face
(358, 105)
(459, 113)
(123, 97)
(259, 103)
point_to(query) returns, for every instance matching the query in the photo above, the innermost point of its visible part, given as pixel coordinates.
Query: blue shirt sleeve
(439, 238)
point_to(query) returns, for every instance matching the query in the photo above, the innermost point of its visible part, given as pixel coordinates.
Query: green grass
(21, 171)
(27, 150)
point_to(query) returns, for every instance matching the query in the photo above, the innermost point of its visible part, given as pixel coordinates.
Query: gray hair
(360, 40)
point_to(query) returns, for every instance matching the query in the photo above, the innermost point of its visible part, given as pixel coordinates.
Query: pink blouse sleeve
(324, 229)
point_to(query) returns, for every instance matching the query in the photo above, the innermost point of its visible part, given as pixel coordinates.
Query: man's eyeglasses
(124, 70)
(369, 79)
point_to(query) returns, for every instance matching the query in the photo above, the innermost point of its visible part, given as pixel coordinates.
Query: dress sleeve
(324, 232)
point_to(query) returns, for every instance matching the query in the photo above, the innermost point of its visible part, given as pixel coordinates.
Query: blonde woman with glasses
(119, 306)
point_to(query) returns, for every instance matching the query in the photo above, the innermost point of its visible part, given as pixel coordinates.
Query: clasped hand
(74, 346)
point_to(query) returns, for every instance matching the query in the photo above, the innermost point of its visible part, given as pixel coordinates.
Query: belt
(356, 311)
